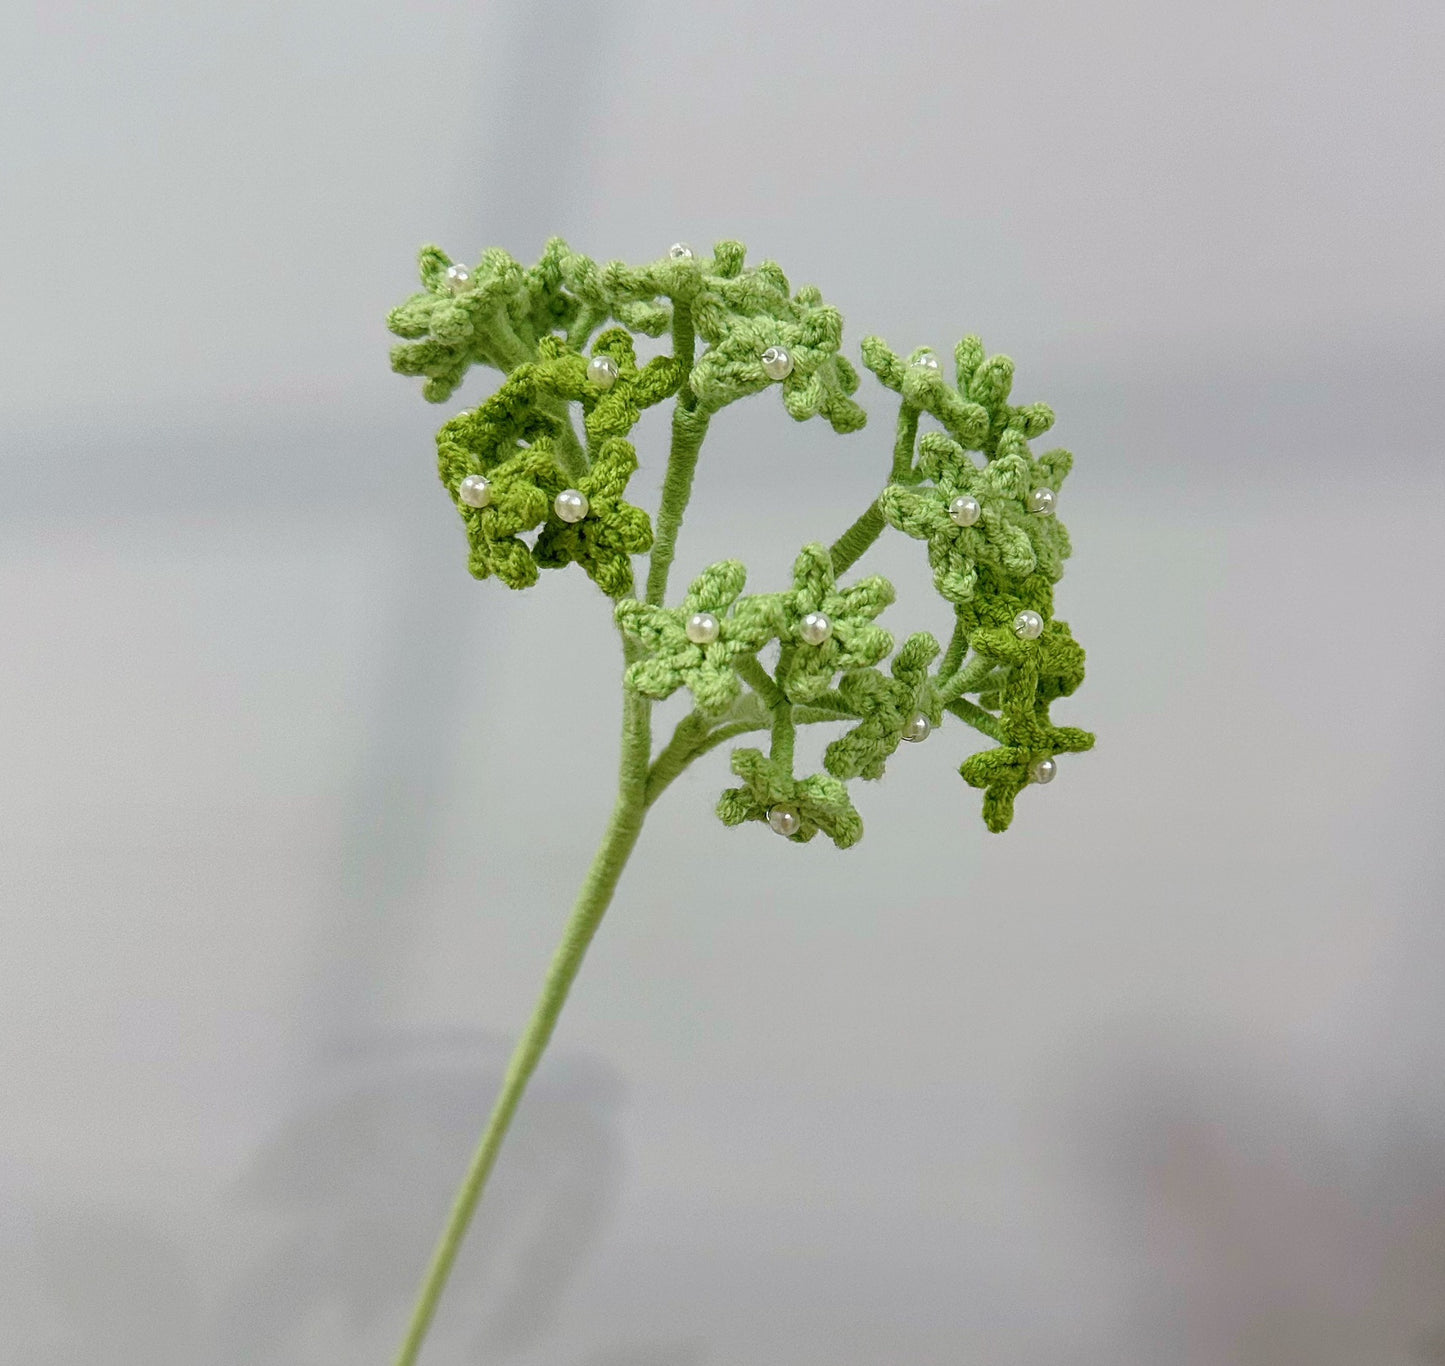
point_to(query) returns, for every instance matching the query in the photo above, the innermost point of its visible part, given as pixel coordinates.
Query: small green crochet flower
(493, 314)
(518, 494)
(826, 629)
(818, 802)
(971, 516)
(609, 532)
(1004, 772)
(975, 410)
(1028, 676)
(481, 438)
(696, 645)
(889, 708)
(612, 396)
(752, 317)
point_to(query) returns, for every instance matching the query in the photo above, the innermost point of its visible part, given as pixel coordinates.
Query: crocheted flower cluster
(531, 495)
(500, 313)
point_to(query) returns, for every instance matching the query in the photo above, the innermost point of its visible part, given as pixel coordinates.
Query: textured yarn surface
(961, 478)
(541, 325)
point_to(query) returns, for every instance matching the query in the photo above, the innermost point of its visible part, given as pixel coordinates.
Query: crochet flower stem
(689, 427)
(591, 904)
(531, 497)
(850, 547)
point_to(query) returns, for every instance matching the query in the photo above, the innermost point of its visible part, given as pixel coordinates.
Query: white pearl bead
(680, 251)
(777, 362)
(1028, 625)
(702, 628)
(917, 728)
(1043, 770)
(927, 361)
(1041, 501)
(784, 820)
(570, 505)
(815, 628)
(602, 371)
(964, 510)
(458, 278)
(475, 490)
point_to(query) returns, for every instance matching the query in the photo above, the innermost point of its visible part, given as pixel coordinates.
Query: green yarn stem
(568, 447)
(592, 902)
(758, 678)
(524, 444)
(848, 549)
(689, 427)
(976, 717)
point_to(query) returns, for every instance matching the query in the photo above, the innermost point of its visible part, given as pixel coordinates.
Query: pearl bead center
(1041, 502)
(964, 510)
(784, 820)
(917, 728)
(815, 628)
(777, 362)
(571, 505)
(602, 371)
(475, 490)
(702, 628)
(1028, 625)
(1043, 770)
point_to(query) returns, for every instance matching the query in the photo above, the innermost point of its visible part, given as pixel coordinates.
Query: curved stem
(848, 549)
(689, 426)
(591, 905)
(756, 677)
(977, 718)
(908, 417)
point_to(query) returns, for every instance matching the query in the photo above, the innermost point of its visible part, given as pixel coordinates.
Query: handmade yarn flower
(491, 314)
(497, 506)
(1000, 515)
(906, 706)
(1027, 674)
(824, 628)
(696, 645)
(518, 464)
(611, 388)
(974, 410)
(796, 808)
(480, 438)
(592, 525)
(759, 336)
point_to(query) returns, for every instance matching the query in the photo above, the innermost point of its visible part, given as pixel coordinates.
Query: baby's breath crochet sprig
(534, 492)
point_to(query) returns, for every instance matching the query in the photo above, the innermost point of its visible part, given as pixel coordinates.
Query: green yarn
(706, 669)
(561, 334)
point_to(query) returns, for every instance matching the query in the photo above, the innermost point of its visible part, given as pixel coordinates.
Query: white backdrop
(291, 812)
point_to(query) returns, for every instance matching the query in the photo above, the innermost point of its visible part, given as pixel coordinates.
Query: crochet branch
(533, 493)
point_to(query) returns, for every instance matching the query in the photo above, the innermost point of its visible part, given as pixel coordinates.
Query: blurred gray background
(292, 810)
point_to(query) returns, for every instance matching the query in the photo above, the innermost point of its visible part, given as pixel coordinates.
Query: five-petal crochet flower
(496, 316)
(1028, 676)
(821, 801)
(975, 410)
(705, 668)
(611, 532)
(886, 707)
(520, 492)
(743, 318)
(807, 669)
(1006, 536)
(615, 409)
